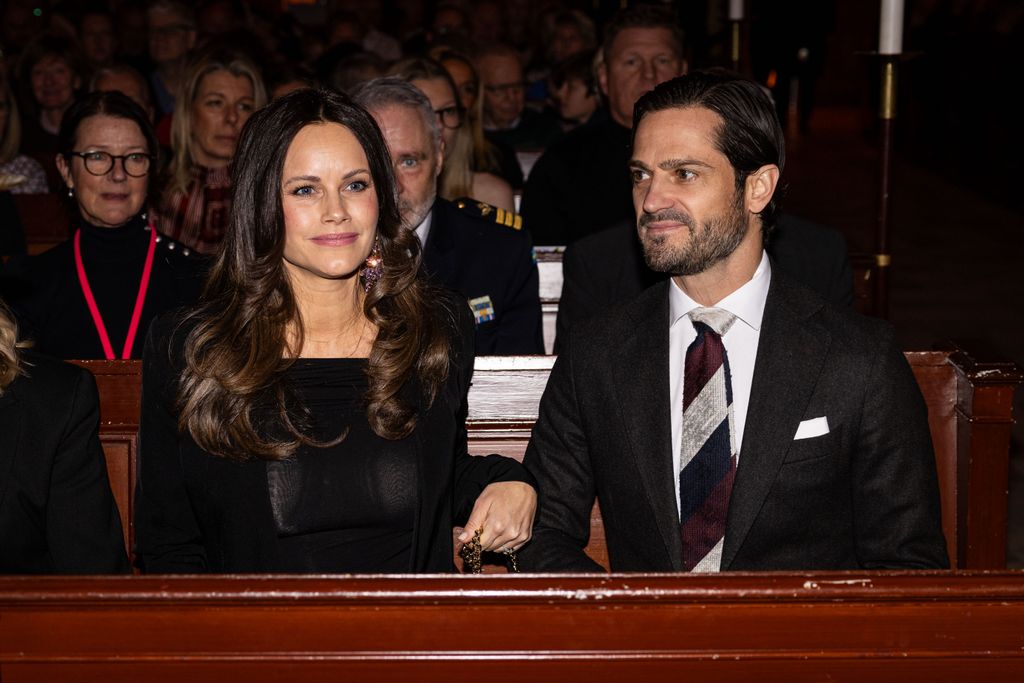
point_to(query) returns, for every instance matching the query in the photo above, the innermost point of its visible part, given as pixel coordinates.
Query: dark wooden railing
(906, 627)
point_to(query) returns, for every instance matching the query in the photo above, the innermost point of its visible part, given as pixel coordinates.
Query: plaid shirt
(198, 217)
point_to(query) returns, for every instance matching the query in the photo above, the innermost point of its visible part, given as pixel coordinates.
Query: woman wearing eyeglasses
(93, 296)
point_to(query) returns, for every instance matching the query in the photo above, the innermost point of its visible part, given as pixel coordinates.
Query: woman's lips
(335, 239)
(114, 197)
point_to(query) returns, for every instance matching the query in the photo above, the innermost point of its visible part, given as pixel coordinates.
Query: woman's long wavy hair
(238, 348)
(10, 364)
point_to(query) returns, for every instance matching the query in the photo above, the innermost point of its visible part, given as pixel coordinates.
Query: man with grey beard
(728, 419)
(470, 247)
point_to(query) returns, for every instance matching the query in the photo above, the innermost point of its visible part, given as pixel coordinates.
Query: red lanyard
(97, 319)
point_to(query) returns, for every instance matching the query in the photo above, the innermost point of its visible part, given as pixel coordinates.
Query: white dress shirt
(747, 304)
(423, 229)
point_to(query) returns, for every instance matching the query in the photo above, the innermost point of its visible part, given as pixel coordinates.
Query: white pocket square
(809, 429)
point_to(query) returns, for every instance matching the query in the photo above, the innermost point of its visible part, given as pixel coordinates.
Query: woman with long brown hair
(309, 416)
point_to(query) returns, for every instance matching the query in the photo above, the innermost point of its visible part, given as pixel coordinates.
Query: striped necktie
(708, 455)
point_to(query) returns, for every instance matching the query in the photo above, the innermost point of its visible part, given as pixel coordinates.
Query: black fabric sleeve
(83, 527)
(167, 535)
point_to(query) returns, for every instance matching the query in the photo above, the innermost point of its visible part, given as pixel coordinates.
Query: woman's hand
(504, 511)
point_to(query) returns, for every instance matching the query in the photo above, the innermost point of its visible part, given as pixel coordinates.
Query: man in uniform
(475, 249)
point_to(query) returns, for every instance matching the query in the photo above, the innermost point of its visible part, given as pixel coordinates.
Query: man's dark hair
(579, 67)
(750, 135)
(642, 16)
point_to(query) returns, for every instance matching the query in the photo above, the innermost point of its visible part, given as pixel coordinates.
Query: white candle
(890, 32)
(735, 10)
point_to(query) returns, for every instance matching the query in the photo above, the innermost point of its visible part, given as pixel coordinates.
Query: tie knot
(717, 319)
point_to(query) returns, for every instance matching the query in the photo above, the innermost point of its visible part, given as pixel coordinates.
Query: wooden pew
(549, 267)
(772, 626)
(877, 626)
(45, 220)
(969, 399)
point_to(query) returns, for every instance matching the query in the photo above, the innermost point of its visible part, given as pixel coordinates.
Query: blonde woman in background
(220, 92)
(458, 177)
(487, 157)
(57, 514)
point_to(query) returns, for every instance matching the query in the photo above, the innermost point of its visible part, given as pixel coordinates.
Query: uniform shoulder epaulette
(493, 214)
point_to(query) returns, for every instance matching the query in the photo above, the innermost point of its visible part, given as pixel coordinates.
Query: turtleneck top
(51, 308)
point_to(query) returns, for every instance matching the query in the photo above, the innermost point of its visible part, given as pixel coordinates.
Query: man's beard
(414, 214)
(708, 244)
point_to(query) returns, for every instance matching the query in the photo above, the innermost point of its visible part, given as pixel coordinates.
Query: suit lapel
(440, 256)
(641, 375)
(11, 424)
(790, 354)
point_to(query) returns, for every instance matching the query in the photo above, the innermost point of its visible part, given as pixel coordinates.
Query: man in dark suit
(607, 268)
(477, 250)
(728, 418)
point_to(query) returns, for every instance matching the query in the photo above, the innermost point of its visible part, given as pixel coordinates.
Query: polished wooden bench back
(969, 411)
(868, 626)
(44, 218)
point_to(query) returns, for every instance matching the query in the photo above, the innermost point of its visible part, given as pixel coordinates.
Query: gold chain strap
(472, 551)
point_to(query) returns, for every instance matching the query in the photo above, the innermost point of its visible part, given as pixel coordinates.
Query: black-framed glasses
(450, 117)
(135, 164)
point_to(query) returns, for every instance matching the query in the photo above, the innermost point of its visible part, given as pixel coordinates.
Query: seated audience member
(573, 90)
(370, 14)
(450, 22)
(221, 91)
(485, 256)
(458, 179)
(19, 173)
(132, 36)
(308, 416)
(345, 65)
(488, 157)
(94, 295)
(50, 71)
(729, 419)
(57, 514)
(580, 185)
(606, 269)
(571, 33)
(285, 78)
(97, 36)
(171, 27)
(564, 33)
(125, 79)
(506, 116)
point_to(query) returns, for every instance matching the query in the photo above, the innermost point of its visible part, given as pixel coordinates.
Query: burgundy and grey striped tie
(708, 455)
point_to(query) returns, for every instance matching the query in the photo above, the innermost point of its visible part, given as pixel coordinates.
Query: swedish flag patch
(483, 309)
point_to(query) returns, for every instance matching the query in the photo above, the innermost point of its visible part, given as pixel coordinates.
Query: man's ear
(439, 164)
(760, 187)
(65, 170)
(602, 77)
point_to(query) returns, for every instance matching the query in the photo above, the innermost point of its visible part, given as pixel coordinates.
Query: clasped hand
(504, 512)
